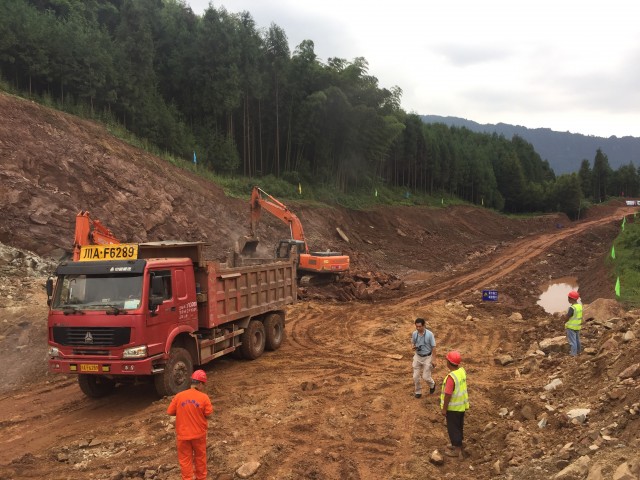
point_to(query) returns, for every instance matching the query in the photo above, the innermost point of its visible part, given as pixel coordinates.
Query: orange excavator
(323, 265)
(90, 232)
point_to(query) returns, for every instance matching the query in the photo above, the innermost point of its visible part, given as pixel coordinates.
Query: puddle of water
(554, 297)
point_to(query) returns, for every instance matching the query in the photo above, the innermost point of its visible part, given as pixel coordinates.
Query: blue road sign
(490, 295)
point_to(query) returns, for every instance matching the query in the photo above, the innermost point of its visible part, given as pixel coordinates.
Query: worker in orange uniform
(454, 402)
(192, 408)
(573, 319)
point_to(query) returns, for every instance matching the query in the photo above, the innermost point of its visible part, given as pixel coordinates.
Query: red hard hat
(454, 357)
(573, 294)
(200, 376)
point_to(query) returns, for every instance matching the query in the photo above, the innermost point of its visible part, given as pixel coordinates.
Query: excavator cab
(289, 247)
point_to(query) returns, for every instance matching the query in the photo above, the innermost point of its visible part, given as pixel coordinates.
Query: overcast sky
(567, 65)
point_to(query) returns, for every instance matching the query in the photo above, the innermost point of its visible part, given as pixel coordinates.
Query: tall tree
(567, 195)
(585, 175)
(601, 174)
(278, 57)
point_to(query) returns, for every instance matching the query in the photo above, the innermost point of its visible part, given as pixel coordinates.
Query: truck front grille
(92, 336)
(78, 351)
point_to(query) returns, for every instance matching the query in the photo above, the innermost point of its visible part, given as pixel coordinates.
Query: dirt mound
(336, 401)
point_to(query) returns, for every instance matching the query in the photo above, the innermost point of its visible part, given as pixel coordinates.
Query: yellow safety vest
(575, 322)
(459, 398)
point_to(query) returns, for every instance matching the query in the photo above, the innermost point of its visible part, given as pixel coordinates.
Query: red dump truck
(128, 312)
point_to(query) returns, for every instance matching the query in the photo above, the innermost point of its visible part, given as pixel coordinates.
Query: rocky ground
(335, 402)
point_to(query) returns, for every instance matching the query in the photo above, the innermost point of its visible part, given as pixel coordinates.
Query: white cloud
(566, 65)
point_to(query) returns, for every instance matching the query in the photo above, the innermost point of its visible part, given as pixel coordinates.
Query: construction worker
(424, 346)
(191, 408)
(573, 319)
(454, 401)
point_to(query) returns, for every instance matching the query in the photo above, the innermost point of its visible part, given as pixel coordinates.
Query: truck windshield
(95, 292)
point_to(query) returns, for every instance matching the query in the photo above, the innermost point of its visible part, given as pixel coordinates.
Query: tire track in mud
(512, 257)
(351, 388)
(350, 337)
(60, 407)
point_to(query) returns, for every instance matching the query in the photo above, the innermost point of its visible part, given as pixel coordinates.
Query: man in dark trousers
(454, 402)
(192, 408)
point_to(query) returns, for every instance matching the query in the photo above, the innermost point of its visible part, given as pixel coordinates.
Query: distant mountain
(564, 151)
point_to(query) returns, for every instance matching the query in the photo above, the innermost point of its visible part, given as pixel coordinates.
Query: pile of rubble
(19, 270)
(569, 408)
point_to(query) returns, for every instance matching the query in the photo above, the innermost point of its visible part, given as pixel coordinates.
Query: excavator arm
(261, 199)
(325, 264)
(90, 232)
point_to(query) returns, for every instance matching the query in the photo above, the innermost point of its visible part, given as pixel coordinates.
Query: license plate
(120, 251)
(91, 367)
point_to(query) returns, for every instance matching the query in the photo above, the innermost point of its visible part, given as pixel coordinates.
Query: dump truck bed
(227, 293)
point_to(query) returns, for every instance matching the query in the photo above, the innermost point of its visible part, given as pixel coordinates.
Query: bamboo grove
(219, 85)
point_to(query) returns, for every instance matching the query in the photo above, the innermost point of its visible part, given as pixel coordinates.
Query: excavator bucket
(248, 245)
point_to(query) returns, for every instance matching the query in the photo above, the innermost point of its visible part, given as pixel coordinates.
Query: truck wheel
(274, 330)
(177, 373)
(95, 386)
(253, 340)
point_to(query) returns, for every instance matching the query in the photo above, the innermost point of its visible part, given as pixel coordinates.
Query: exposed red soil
(336, 401)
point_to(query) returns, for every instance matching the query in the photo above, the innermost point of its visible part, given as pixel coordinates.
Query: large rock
(248, 469)
(555, 383)
(503, 360)
(436, 458)
(629, 470)
(577, 469)
(632, 372)
(555, 344)
(601, 310)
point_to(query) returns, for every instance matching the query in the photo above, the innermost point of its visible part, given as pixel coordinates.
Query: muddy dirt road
(335, 402)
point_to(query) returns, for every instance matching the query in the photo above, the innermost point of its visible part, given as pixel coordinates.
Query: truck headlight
(135, 352)
(54, 352)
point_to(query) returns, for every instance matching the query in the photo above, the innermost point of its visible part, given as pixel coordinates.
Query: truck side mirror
(49, 287)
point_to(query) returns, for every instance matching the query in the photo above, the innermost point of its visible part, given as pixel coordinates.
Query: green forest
(232, 95)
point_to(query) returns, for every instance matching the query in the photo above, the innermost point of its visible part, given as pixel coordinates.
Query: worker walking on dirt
(424, 346)
(454, 402)
(192, 408)
(573, 319)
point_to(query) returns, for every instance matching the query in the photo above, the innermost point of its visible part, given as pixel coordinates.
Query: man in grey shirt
(424, 346)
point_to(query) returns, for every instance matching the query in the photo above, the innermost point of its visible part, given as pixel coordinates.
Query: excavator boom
(90, 232)
(261, 199)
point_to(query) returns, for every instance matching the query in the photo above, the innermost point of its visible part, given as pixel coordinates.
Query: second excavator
(90, 232)
(312, 267)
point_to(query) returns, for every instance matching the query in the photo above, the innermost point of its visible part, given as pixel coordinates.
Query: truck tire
(253, 340)
(176, 376)
(274, 331)
(95, 386)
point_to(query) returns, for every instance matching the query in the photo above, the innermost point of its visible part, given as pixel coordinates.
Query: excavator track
(317, 280)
